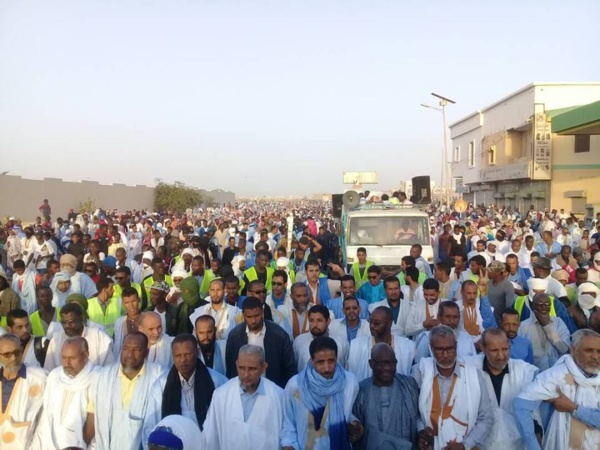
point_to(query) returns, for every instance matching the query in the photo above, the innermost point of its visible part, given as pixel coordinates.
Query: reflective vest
(149, 281)
(358, 280)
(520, 303)
(205, 286)
(37, 329)
(252, 275)
(401, 277)
(118, 290)
(108, 318)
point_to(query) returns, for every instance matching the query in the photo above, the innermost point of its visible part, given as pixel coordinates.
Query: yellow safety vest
(118, 290)
(37, 329)
(252, 275)
(520, 302)
(150, 281)
(209, 275)
(358, 280)
(401, 277)
(108, 318)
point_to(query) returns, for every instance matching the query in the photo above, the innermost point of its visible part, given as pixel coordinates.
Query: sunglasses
(277, 283)
(119, 278)
(373, 277)
(14, 353)
(264, 291)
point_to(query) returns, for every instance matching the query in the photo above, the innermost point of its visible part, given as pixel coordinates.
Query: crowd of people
(223, 329)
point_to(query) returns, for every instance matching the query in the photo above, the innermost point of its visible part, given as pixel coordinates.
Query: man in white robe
(572, 387)
(73, 324)
(448, 315)
(549, 336)
(80, 282)
(66, 399)
(296, 314)
(318, 402)
(120, 397)
(318, 322)
(185, 389)
(454, 403)
(33, 347)
(159, 344)
(381, 331)
(351, 325)
(25, 388)
(396, 302)
(223, 313)
(211, 352)
(246, 413)
(24, 283)
(504, 379)
(424, 315)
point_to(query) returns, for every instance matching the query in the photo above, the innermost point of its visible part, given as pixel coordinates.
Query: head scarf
(536, 284)
(560, 274)
(585, 300)
(69, 259)
(190, 294)
(176, 432)
(60, 298)
(80, 300)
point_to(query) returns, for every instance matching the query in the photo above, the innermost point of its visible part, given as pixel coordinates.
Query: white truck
(387, 232)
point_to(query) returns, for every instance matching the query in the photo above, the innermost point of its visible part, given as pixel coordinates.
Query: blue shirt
(542, 248)
(351, 332)
(372, 293)
(521, 348)
(9, 385)
(279, 301)
(336, 305)
(248, 400)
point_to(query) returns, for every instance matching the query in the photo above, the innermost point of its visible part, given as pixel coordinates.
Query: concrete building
(576, 162)
(507, 154)
(21, 197)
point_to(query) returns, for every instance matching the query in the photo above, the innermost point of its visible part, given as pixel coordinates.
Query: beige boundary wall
(21, 197)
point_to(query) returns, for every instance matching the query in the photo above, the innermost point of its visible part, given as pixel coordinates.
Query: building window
(578, 205)
(492, 155)
(582, 143)
(472, 154)
(456, 154)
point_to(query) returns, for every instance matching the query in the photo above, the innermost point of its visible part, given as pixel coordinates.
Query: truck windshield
(388, 231)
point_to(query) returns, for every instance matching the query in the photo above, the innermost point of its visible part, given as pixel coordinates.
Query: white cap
(283, 262)
(179, 273)
(187, 251)
(148, 255)
(537, 284)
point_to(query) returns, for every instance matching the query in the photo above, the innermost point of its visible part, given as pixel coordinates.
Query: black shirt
(496, 379)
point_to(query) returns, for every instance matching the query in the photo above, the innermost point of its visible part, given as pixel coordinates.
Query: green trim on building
(581, 117)
(575, 166)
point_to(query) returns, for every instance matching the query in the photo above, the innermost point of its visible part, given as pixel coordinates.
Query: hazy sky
(240, 94)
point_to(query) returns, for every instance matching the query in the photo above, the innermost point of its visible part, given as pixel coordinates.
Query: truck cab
(387, 232)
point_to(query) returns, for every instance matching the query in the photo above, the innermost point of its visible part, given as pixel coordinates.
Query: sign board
(361, 178)
(542, 145)
(519, 169)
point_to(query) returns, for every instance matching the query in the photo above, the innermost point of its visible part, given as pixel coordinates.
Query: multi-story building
(507, 154)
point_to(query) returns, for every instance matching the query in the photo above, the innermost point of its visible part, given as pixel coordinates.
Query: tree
(87, 206)
(176, 197)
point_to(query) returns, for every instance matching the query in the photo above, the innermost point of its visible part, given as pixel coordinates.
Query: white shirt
(257, 338)
(163, 319)
(187, 397)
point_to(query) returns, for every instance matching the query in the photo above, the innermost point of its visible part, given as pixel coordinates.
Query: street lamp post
(445, 181)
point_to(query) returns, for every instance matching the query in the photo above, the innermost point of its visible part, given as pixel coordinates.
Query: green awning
(582, 120)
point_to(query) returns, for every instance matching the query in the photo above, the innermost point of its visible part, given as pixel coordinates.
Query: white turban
(283, 262)
(178, 273)
(585, 299)
(537, 284)
(188, 251)
(148, 255)
(176, 432)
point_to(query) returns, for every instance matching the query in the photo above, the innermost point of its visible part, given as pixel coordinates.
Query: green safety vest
(205, 286)
(118, 290)
(252, 275)
(150, 281)
(520, 303)
(108, 319)
(358, 280)
(422, 278)
(37, 329)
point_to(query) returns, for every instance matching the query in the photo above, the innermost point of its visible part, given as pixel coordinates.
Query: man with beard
(159, 344)
(256, 330)
(247, 412)
(67, 394)
(381, 331)
(34, 348)
(448, 315)
(80, 282)
(571, 386)
(119, 401)
(348, 288)
(504, 379)
(351, 325)
(450, 388)
(520, 347)
(296, 315)
(73, 324)
(223, 313)
(186, 389)
(22, 390)
(212, 352)
(387, 406)
(318, 322)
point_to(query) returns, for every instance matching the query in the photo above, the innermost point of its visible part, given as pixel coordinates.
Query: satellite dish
(460, 206)
(351, 199)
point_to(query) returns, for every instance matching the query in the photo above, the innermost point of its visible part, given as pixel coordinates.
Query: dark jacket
(279, 353)
(170, 318)
(185, 326)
